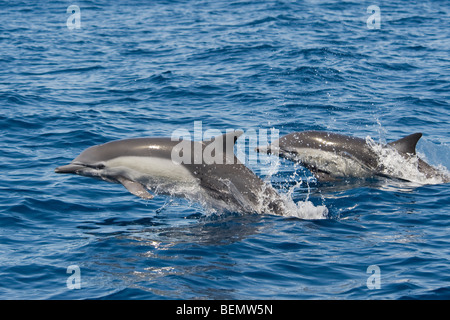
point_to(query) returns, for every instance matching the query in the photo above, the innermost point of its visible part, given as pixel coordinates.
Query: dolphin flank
(331, 156)
(145, 164)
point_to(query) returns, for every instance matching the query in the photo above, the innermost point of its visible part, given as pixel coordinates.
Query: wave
(65, 70)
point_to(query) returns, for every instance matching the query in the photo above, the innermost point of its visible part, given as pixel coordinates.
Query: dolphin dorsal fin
(231, 136)
(235, 134)
(407, 144)
(221, 147)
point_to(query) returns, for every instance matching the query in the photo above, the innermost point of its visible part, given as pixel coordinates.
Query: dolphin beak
(70, 168)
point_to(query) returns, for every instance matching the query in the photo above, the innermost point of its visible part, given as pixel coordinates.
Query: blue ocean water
(146, 68)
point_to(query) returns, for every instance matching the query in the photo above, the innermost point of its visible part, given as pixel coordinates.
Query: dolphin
(147, 164)
(331, 156)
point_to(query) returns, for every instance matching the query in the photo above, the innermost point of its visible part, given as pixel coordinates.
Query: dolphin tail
(407, 144)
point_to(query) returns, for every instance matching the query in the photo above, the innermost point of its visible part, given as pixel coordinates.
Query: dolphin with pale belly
(208, 172)
(331, 156)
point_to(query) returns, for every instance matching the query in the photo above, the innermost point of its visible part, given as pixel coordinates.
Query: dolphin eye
(100, 166)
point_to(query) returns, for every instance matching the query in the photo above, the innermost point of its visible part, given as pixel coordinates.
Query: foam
(393, 164)
(302, 209)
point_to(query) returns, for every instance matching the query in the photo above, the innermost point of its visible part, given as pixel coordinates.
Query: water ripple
(144, 68)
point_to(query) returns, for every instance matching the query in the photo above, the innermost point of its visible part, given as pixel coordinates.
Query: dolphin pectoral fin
(322, 176)
(136, 188)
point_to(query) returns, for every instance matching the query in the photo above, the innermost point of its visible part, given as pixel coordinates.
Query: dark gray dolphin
(186, 168)
(330, 156)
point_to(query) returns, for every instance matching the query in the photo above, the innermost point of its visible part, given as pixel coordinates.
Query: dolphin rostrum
(144, 164)
(331, 156)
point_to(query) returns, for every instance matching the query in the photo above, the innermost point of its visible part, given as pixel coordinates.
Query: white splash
(266, 198)
(302, 209)
(393, 164)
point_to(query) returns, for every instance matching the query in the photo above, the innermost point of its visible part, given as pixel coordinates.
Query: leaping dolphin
(144, 164)
(331, 156)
